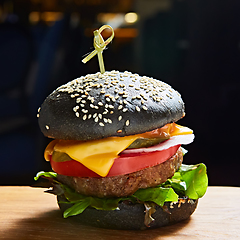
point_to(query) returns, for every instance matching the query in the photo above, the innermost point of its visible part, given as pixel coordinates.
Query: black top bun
(115, 103)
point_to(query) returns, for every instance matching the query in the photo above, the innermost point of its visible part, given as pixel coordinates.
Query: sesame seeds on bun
(114, 103)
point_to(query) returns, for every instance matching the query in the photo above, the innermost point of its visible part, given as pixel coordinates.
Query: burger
(117, 152)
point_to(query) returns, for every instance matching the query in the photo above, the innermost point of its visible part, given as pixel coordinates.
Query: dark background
(194, 45)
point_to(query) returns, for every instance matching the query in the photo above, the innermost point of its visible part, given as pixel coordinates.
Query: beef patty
(125, 185)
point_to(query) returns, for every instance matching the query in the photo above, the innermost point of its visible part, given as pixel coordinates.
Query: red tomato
(124, 164)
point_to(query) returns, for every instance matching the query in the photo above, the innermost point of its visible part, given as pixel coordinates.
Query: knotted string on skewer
(99, 45)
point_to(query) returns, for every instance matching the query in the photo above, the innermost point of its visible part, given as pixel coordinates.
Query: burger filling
(144, 168)
(99, 156)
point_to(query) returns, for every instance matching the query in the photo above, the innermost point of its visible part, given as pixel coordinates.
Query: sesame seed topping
(77, 114)
(84, 110)
(119, 131)
(105, 111)
(47, 127)
(145, 108)
(138, 109)
(120, 118)
(101, 124)
(84, 117)
(127, 123)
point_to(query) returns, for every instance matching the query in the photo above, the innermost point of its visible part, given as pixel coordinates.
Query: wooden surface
(29, 213)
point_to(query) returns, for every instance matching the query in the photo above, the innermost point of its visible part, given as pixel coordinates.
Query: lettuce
(189, 181)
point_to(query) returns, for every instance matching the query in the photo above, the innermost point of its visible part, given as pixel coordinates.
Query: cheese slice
(99, 155)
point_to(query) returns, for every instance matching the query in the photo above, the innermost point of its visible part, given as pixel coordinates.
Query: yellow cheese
(99, 155)
(176, 129)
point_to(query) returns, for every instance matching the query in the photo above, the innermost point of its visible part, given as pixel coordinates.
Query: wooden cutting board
(29, 213)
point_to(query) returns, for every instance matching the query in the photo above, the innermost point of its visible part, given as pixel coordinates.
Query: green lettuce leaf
(195, 177)
(158, 195)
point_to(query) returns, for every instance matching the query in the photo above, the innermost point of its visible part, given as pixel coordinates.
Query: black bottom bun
(131, 216)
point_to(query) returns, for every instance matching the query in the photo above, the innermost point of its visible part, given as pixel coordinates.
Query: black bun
(110, 104)
(131, 216)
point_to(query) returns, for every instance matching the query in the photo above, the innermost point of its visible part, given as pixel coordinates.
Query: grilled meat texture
(125, 185)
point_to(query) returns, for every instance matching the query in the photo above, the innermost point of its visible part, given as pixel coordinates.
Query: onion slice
(173, 141)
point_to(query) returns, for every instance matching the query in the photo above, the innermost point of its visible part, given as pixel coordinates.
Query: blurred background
(194, 45)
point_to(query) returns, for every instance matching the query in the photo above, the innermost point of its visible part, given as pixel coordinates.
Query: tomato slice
(124, 164)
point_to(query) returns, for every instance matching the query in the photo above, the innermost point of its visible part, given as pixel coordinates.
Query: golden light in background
(34, 17)
(48, 17)
(131, 17)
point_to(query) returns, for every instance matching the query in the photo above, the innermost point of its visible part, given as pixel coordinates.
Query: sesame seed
(105, 112)
(120, 118)
(84, 110)
(96, 119)
(94, 115)
(105, 120)
(120, 107)
(127, 123)
(77, 114)
(37, 115)
(119, 131)
(100, 104)
(145, 108)
(39, 109)
(89, 116)
(47, 127)
(101, 124)
(84, 117)
(125, 110)
(100, 115)
(138, 109)
(109, 121)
